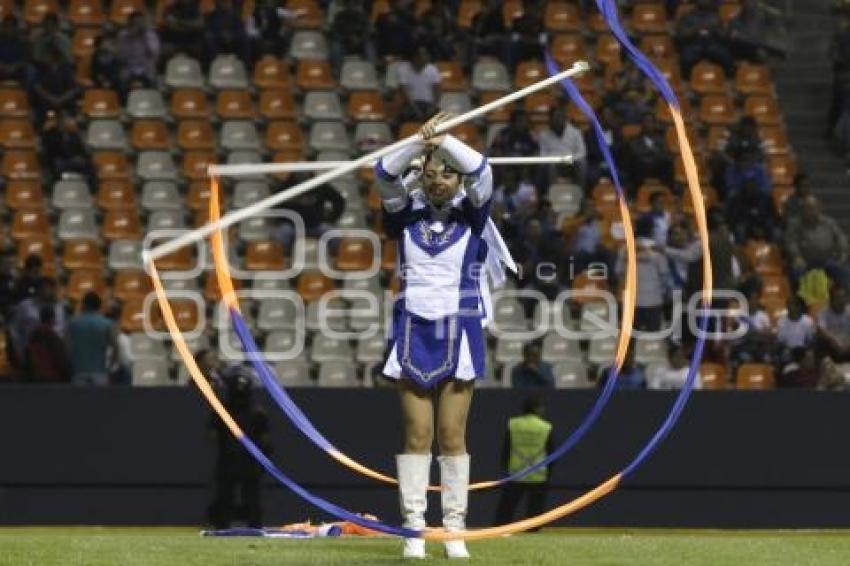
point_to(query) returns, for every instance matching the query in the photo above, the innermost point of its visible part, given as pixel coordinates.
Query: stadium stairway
(804, 87)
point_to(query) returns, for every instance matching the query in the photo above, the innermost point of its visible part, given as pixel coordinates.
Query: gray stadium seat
(369, 136)
(338, 373)
(653, 377)
(493, 131)
(143, 347)
(151, 373)
(329, 136)
(598, 311)
(333, 155)
(490, 75)
(322, 105)
(648, 351)
(279, 341)
(455, 102)
(371, 350)
(240, 135)
(228, 72)
(255, 229)
(77, 223)
(358, 75)
(566, 198)
(338, 323)
(196, 343)
(509, 350)
(183, 72)
(391, 79)
(71, 193)
(276, 314)
(246, 158)
(563, 311)
(571, 375)
(124, 254)
(249, 192)
(557, 348)
(308, 45)
(508, 314)
(325, 348)
(156, 166)
(166, 220)
(146, 103)
(106, 135)
(351, 193)
(276, 284)
(361, 317)
(311, 251)
(294, 373)
(602, 350)
(161, 195)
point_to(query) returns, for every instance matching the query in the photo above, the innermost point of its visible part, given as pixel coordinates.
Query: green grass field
(91, 546)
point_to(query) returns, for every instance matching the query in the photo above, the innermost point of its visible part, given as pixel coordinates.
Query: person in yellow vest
(528, 441)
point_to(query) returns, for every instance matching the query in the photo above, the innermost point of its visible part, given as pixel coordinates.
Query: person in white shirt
(419, 87)
(562, 138)
(675, 374)
(795, 328)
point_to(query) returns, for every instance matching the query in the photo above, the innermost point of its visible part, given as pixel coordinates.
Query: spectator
(795, 329)
(15, 53)
(106, 68)
(318, 209)
(47, 358)
(647, 155)
(653, 275)
(801, 371)
(350, 34)
(833, 327)
(563, 138)
(675, 374)
(488, 34)
(751, 214)
(137, 48)
(395, 31)
(743, 136)
(631, 96)
(120, 372)
(55, 87)
(532, 372)
(528, 35)
(660, 218)
(681, 250)
(94, 343)
(699, 35)
(516, 138)
(752, 33)
(64, 149)
(182, 30)
(597, 167)
(51, 39)
(748, 165)
(815, 241)
(27, 317)
(31, 279)
(8, 285)
(539, 244)
(211, 366)
(586, 246)
(269, 27)
(631, 376)
(438, 32)
(756, 343)
(419, 87)
(225, 31)
(794, 204)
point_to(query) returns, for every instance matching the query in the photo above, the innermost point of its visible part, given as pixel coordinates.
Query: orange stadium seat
(86, 13)
(212, 292)
(235, 105)
(717, 110)
(672, 139)
(774, 140)
(467, 133)
(366, 106)
(283, 156)
(528, 73)
(121, 225)
(29, 222)
(467, 11)
(780, 194)
(150, 135)
(764, 109)
(717, 138)
(20, 165)
(576, 116)
(198, 196)
(452, 78)
(111, 165)
(271, 72)
(195, 135)
(608, 51)
(132, 315)
(16, 133)
(765, 257)
(40, 245)
(657, 46)
(82, 44)
(596, 22)
(120, 10)
(7, 7)
(312, 284)
(753, 79)
(284, 136)
(379, 7)
(389, 254)
(355, 254)
(511, 10)
(314, 75)
(195, 164)
(14, 103)
(708, 78)
(83, 281)
(567, 49)
(562, 17)
(538, 106)
(584, 282)
(82, 254)
(186, 315)
(278, 104)
(782, 169)
(116, 195)
(181, 260)
(131, 284)
(728, 11)
(101, 103)
(264, 256)
(713, 376)
(35, 10)
(24, 195)
(311, 15)
(604, 195)
(775, 288)
(755, 376)
(189, 103)
(649, 18)
(501, 114)
(408, 129)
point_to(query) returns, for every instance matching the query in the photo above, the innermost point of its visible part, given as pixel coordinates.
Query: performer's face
(439, 182)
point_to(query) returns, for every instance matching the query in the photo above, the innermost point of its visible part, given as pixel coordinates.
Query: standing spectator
(748, 165)
(750, 30)
(539, 244)
(528, 35)
(563, 138)
(27, 317)
(794, 203)
(395, 31)
(834, 327)
(269, 27)
(681, 250)
(699, 35)
(51, 39)
(47, 358)
(751, 213)
(516, 138)
(597, 167)
(182, 30)
(653, 275)
(631, 96)
(419, 87)
(15, 53)
(660, 218)
(488, 34)
(527, 442)
(94, 344)
(137, 48)
(795, 329)
(349, 34)
(30, 280)
(816, 241)
(105, 66)
(225, 31)
(64, 149)
(532, 372)
(647, 155)
(55, 86)
(438, 32)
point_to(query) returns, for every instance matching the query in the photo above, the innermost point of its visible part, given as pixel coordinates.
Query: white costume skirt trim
(465, 367)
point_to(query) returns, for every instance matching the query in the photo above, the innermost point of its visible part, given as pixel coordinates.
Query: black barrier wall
(144, 456)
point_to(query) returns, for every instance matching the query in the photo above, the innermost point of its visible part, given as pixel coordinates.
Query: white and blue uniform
(444, 301)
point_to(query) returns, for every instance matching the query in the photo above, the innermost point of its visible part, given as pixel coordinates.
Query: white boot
(454, 476)
(414, 471)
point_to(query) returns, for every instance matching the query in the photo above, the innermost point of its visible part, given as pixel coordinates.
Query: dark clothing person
(489, 35)
(528, 36)
(350, 34)
(55, 89)
(64, 149)
(47, 357)
(700, 37)
(106, 67)
(515, 141)
(751, 214)
(15, 53)
(647, 156)
(183, 29)
(225, 32)
(395, 33)
(91, 336)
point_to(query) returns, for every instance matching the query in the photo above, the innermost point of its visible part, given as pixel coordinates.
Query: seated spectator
(631, 376)
(30, 280)
(794, 203)
(516, 138)
(419, 87)
(750, 33)
(47, 358)
(795, 329)
(532, 372)
(349, 34)
(801, 371)
(318, 209)
(647, 155)
(699, 36)
(94, 343)
(751, 214)
(439, 34)
(51, 39)
(182, 30)
(748, 165)
(756, 343)
(653, 275)
(833, 327)
(528, 34)
(55, 87)
(225, 31)
(64, 149)
(395, 31)
(539, 252)
(597, 167)
(660, 218)
(563, 138)
(631, 96)
(743, 136)
(27, 317)
(137, 48)
(15, 53)
(675, 374)
(8, 285)
(488, 34)
(269, 27)
(586, 246)
(816, 241)
(105, 66)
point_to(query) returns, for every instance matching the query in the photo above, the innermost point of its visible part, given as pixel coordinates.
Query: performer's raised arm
(388, 173)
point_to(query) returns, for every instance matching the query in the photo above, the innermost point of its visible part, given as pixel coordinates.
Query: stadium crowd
(768, 236)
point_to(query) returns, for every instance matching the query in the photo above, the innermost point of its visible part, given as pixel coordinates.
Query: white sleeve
(470, 163)
(388, 172)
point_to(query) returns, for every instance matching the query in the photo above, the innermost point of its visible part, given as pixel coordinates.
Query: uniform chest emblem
(434, 237)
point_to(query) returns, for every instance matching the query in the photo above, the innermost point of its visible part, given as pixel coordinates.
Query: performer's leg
(453, 409)
(414, 466)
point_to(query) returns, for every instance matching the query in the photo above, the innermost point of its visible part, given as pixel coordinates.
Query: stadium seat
(24, 195)
(708, 78)
(649, 18)
(310, 45)
(567, 49)
(276, 314)
(284, 136)
(235, 105)
(501, 114)
(195, 135)
(156, 166)
(753, 79)
(161, 195)
(13, 103)
(775, 288)
(120, 10)
(278, 104)
(20, 165)
(314, 75)
(359, 75)
(82, 43)
(571, 374)
(264, 256)
(82, 254)
(16, 133)
(528, 73)
(40, 245)
(601, 350)
(150, 135)
(83, 281)
(151, 373)
(198, 196)
(246, 158)
(255, 229)
(566, 198)
(657, 46)
(86, 13)
(468, 134)
(77, 224)
(322, 105)
(562, 17)
(228, 72)
(509, 350)
(755, 376)
(188, 104)
(557, 348)
(101, 103)
(452, 78)
(131, 284)
(717, 110)
(249, 192)
(355, 254)
(106, 135)
(312, 284)
(335, 317)
(329, 136)
(584, 282)
(116, 195)
(508, 314)
(70, 193)
(121, 225)
(371, 350)
(774, 140)
(124, 254)
(713, 376)
(604, 195)
(240, 135)
(294, 373)
(148, 103)
(366, 106)
(709, 195)
(338, 373)
(490, 75)
(183, 72)
(467, 10)
(144, 347)
(35, 10)
(369, 136)
(111, 165)
(455, 102)
(310, 14)
(780, 194)
(764, 109)
(213, 294)
(782, 169)
(279, 342)
(538, 106)
(649, 351)
(271, 73)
